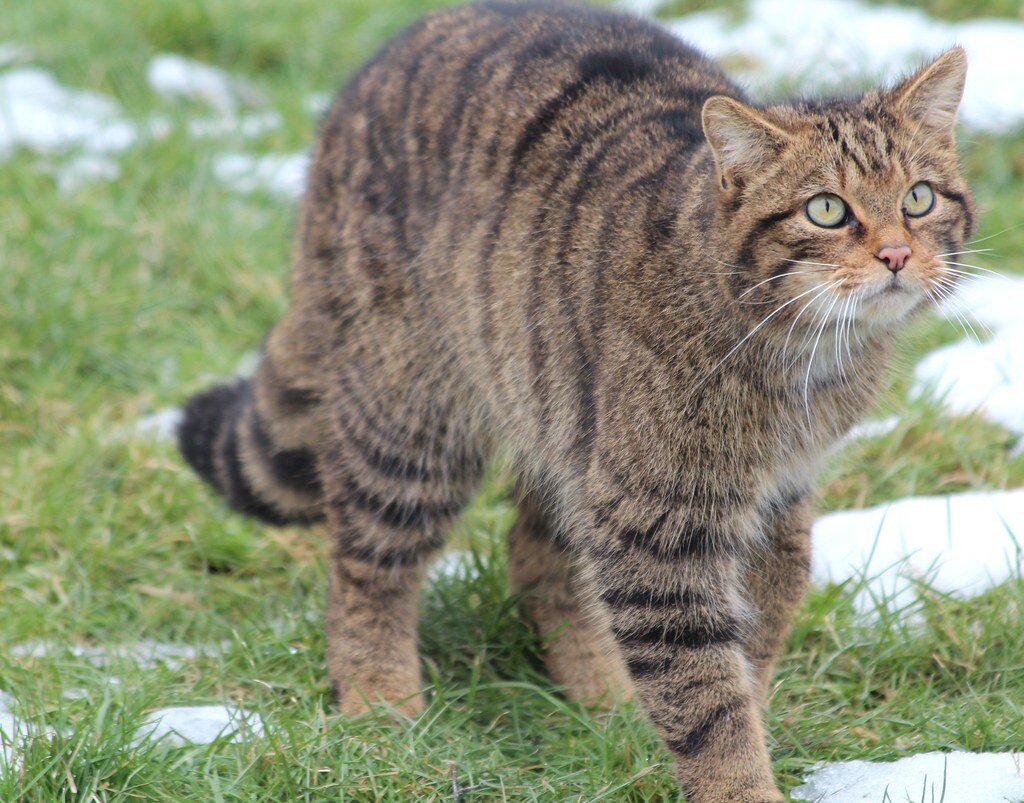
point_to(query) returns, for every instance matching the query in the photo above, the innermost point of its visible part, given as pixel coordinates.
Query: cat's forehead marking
(861, 146)
(866, 146)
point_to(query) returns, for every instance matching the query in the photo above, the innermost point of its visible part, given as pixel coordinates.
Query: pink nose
(895, 256)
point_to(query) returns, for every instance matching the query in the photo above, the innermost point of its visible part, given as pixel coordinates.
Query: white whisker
(751, 333)
(807, 262)
(772, 279)
(836, 343)
(983, 239)
(945, 291)
(954, 302)
(737, 268)
(810, 362)
(987, 251)
(941, 298)
(803, 309)
(975, 267)
(849, 330)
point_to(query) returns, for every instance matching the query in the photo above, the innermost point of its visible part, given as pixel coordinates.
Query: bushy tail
(231, 443)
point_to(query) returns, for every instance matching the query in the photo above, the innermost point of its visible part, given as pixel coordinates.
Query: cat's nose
(894, 256)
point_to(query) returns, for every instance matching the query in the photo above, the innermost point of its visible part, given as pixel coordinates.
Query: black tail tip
(205, 416)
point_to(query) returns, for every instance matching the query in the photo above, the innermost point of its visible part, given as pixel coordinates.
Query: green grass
(943, 9)
(126, 296)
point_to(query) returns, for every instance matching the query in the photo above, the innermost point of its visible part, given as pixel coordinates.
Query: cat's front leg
(777, 577)
(670, 586)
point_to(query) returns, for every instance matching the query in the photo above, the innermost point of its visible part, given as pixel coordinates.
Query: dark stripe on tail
(204, 416)
(209, 441)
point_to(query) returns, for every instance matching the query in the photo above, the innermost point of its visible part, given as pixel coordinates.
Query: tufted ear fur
(741, 139)
(932, 95)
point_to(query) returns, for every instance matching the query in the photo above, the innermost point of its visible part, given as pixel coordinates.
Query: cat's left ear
(931, 96)
(741, 138)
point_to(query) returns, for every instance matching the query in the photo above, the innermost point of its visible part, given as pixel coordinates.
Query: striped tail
(231, 444)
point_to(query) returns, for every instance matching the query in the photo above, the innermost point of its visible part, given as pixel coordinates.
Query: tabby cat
(562, 233)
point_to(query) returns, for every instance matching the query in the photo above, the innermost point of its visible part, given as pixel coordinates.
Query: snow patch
(995, 301)
(961, 544)
(873, 428)
(248, 364)
(14, 732)
(317, 103)
(40, 114)
(644, 8)
(283, 175)
(36, 112)
(843, 39)
(983, 377)
(200, 724)
(12, 735)
(244, 125)
(12, 53)
(145, 653)
(161, 425)
(85, 169)
(455, 564)
(986, 377)
(175, 76)
(956, 776)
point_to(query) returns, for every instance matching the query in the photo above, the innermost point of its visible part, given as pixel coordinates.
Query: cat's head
(845, 208)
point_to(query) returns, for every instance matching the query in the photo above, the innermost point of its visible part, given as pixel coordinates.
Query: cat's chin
(890, 305)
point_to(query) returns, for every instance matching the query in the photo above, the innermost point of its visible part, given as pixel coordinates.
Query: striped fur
(563, 233)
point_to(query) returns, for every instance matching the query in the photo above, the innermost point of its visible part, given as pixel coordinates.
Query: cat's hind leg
(395, 475)
(580, 652)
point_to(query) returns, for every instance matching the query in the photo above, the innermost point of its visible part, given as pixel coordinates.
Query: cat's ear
(931, 96)
(741, 139)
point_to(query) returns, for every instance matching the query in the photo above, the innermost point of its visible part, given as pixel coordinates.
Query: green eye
(826, 210)
(920, 200)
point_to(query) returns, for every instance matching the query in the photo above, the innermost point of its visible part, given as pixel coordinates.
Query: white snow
(200, 724)
(174, 726)
(11, 730)
(317, 103)
(957, 777)
(173, 76)
(161, 425)
(872, 428)
(145, 653)
(243, 125)
(14, 731)
(454, 564)
(995, 301)
(248, 364)
(85, 169)
(42, 115)
(825, 44)
(36, 112)
(12, 52)
(279, 174)
(960, 544)
(986, 376)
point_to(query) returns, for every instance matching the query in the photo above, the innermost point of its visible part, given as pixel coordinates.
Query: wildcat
(562, 233)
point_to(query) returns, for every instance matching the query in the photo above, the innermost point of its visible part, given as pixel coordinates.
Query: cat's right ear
(740, 138)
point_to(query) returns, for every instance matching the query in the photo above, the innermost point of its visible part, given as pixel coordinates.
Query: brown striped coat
(562, 233)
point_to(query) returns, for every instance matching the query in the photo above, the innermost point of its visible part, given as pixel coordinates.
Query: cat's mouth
(891, 300)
